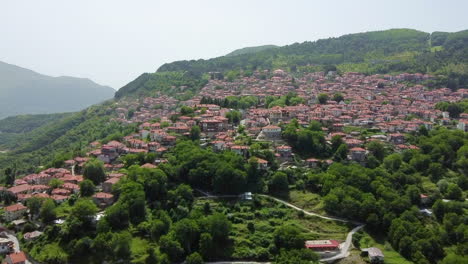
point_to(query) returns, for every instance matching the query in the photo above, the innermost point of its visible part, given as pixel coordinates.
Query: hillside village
(382, 108)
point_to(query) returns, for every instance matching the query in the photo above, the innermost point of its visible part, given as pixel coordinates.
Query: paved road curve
(15, 242)
(344, 247)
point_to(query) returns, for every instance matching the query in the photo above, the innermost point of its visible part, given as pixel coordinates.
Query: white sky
(114, 41)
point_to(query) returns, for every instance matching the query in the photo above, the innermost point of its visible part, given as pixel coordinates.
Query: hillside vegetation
(26, 123)
(248, 50)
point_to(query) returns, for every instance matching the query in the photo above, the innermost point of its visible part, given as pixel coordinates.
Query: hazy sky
(113, 41)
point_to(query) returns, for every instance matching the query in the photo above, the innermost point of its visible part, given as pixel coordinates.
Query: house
(396, 138)
(262, 164)
(103, 199)
(322, 245)
(358, 154)
(14, 212)
(463, 125)
(375, 255)
(16, 258)
(74, 188)
(19, 189)
(212, 125)
(312, 163)
(59, 198)
(107, 185)
(272, 132)
(284, 152)
(241, 150)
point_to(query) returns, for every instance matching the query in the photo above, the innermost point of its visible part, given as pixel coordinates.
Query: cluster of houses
(386, 104)
(382, 103)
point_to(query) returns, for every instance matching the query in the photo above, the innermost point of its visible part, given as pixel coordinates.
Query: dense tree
(172, 248)
(288, 237)
(377, 149)
(338, 97)
(194, 258)
(341, 153)
(34, 204)
(454, 192)
(322, 98)
(94, 171)
(279, 184)
(55, 183)
(84, 210)
(195, 133)
(234, 117)
(47, 212)
(187, 232)
(229, 180)
(219, 227)
(87, 188)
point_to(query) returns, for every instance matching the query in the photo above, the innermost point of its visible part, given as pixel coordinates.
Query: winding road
(16, 244)
(344, 247)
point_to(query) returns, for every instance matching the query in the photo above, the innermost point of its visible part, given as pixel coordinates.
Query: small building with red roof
(16, 258)
(322, 245)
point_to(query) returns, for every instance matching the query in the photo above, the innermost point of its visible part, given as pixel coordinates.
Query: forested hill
(249, 50)
(23, 91)
(352, 48)
(442, 54)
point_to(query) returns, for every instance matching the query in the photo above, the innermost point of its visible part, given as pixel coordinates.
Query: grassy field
(306, 200)
(254, 224)
(391, 256)
(139, 248)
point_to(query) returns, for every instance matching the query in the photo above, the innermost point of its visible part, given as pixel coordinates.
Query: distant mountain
(248, 50)
(23, 91)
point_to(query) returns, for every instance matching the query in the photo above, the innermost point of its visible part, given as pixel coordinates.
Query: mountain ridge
(24, 91)
(253, 49)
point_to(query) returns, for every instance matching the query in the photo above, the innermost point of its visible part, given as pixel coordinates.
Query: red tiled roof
(101, 195)
(15, 207)
(322, 244)
(17, 257)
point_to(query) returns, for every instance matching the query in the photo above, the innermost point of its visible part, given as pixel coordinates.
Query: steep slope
(249, 50)
(23, 91)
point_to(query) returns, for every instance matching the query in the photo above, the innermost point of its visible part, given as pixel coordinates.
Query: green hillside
(26, 123)
(249, 50)
(59, 140)
(352, 48)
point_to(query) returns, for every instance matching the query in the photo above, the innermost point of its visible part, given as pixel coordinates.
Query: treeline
(26, 123)
(348, 48)
(167, 83)
(235, 102)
